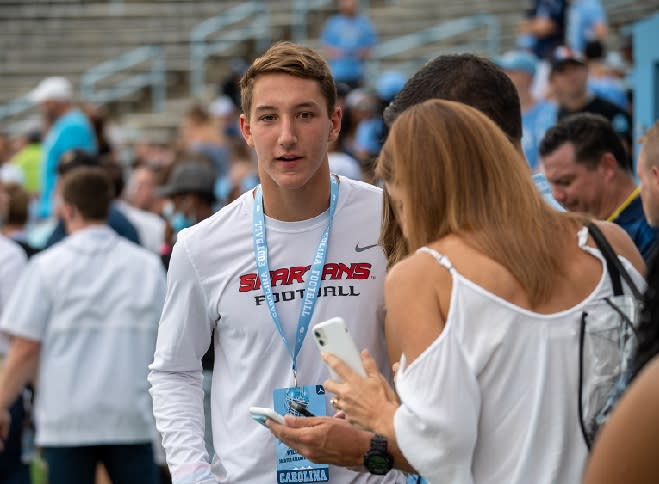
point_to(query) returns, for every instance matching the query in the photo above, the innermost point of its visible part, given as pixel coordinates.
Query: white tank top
(494, 398)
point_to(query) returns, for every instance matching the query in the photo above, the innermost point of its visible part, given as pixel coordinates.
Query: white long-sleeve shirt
(212, 282)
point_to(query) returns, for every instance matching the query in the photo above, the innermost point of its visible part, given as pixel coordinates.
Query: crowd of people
(463, 221)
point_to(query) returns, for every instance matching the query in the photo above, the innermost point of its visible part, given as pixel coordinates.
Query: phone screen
(301, 409)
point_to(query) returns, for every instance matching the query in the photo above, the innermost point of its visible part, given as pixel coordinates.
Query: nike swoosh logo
(366, 247)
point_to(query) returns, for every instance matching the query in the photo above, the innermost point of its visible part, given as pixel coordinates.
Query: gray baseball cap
(190, 177)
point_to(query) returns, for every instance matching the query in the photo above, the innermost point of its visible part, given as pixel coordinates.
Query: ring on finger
(335, 403)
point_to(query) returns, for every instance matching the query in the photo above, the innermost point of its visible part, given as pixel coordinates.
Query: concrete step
(66, 37)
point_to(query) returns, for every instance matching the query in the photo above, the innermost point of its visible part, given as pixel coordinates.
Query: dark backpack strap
(582, 424)
(613, 265)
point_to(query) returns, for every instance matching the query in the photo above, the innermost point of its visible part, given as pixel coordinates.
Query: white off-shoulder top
(494, 399)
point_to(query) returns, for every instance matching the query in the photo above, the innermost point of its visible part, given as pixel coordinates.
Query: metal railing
(301, 10)
(437, 33)
(201, 48)
(300, 15)
(16, 106)
(234, 26)
(155, 77)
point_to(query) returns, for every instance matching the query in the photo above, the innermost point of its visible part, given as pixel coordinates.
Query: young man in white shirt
(84, 317)
(12, 469)
(315, 235)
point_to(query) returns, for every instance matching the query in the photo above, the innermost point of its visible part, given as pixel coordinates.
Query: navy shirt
(618, 118)
(553, 10)
(632, 220)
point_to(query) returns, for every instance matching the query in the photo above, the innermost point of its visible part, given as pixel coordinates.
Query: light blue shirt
(582, 17)
(543, 186)
(613, 90)
(369, 135)
(535, 123)
(349, 34)
(70, 131)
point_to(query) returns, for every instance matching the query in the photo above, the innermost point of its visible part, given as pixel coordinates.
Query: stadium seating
(39, 38)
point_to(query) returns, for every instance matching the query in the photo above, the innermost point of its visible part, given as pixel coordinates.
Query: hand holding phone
(333, 337)
(262, 414)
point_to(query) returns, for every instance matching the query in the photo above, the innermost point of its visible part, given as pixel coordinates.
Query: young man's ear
(335, 129)
(246, 130)
(68, 211)
(609, 164)
(654, 175)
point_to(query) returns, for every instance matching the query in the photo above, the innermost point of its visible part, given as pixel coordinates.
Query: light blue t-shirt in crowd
(543, 186)
(611, 89)
(70, 131)
(582, 17)
(535, 123)
(369, 135)
(349, 34)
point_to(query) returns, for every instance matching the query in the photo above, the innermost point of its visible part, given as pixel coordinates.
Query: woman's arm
(414, 321)
(417, 291)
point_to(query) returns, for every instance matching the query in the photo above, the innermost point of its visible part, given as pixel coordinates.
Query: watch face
(378, 464)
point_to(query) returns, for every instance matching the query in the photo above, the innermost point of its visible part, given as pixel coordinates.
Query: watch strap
(379, 443)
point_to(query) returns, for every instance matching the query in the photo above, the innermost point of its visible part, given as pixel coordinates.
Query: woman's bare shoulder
(622, 244)
(417, 293)
(420, 264)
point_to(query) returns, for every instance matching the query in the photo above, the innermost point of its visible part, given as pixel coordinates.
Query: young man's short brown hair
(591, 134)
(472, 80)
(466, 78)
(90, 191)
(19, 204)
(292, 59)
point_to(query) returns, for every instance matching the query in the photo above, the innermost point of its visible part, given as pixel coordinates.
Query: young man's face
(648, 175)
(142, 189)
(576, 186)
(569, 82)
(290, 129)
(51, 110)
(348, 7)
(189, 204)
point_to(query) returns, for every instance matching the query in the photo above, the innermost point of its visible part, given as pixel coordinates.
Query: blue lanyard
(314, 277)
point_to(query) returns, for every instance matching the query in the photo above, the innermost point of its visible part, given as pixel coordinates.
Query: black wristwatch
(377, 460)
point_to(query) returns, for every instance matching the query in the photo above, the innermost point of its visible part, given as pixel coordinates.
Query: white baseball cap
(52, 89)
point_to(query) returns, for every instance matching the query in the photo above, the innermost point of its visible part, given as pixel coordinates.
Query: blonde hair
(650, 142)
(292, 59)
(462, 176)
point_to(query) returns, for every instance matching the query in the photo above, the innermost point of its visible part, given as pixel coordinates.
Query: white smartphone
(332, 336)
(261, 414)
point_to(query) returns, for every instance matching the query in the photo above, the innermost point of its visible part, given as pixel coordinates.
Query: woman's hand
(370, 402)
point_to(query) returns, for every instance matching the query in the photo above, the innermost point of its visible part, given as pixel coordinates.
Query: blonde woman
(486, 308)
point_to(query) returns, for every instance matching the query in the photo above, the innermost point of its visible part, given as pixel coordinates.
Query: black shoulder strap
(613, 265)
